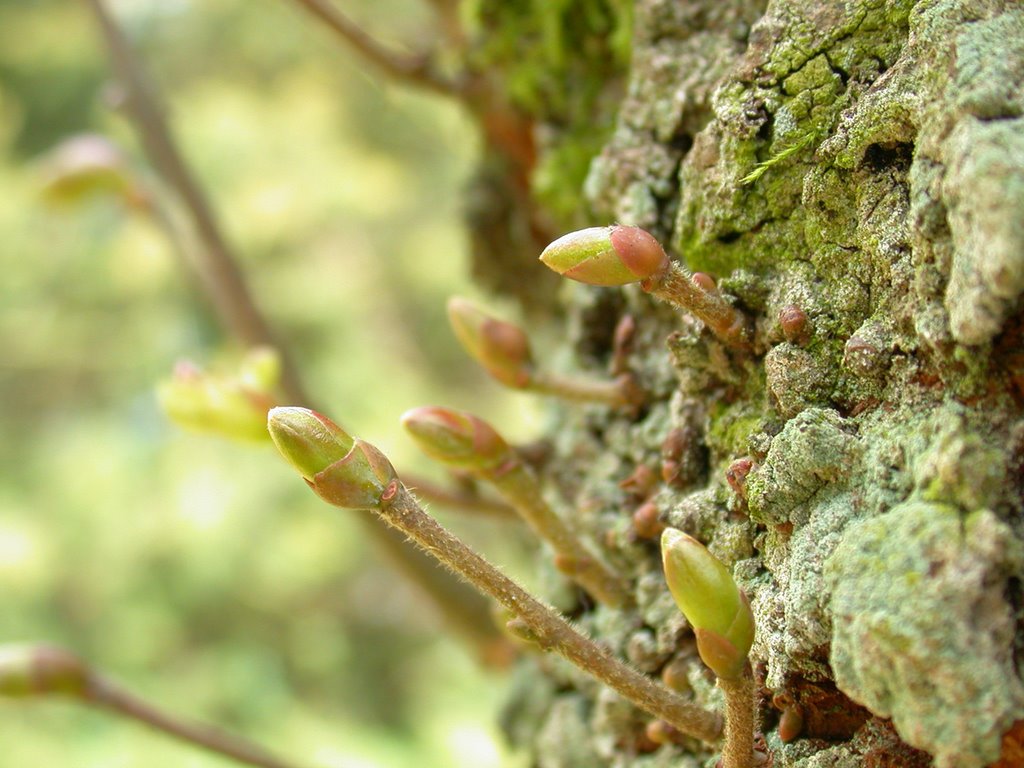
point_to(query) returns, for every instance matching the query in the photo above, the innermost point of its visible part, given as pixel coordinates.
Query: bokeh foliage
(194, 570)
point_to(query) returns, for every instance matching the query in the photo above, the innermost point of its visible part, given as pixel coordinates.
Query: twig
(416, 69)
(738, 751)
(676, 286)
(218, 268)
(45, 670)
(225, 284)
(399, 509)
(520, 487)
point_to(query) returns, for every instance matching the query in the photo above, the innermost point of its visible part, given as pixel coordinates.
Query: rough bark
(878, 531)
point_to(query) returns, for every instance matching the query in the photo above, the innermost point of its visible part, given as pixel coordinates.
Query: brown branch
(224, 283)
(417, 69)
(41, 670)
(218, 268)
(738, 751)
(398, 508)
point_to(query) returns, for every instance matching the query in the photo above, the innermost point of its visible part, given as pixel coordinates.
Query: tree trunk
(852, 173)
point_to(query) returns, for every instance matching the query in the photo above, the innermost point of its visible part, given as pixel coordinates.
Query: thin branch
(225, 284)
(738, 751)
(416, 69)
(40, 670)
(110, 697)
(399, 509)
(218, 266)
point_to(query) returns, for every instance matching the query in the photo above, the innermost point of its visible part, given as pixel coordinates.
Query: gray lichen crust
(862, 164)
(922, 633)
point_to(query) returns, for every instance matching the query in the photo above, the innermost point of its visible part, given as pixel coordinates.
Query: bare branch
(417, 69)
(43, 670)
(218, 268)
(224, 282)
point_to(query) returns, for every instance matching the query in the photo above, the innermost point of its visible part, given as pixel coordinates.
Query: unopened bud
(342, 471)
(708, 596)
(308, 440)
(457, 438)
(607, 256)
(233, 405)
(88, 166)
(32, 670)
(502, 348)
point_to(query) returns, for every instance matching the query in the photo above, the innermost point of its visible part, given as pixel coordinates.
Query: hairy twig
(350, 473)
(398, 508)
(738, 751)
(38, 670)
(417, 69)
(465, 441)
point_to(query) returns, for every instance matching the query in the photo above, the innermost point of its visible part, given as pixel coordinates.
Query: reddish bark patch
(1012, 755)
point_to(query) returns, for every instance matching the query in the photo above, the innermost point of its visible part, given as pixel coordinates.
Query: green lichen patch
(815, 449)
(922, 632)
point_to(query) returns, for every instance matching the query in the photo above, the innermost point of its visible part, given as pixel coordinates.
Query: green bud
(456, 438)
(357, 481)
(232, 405)
(708, 596)
(308, 440)
(343, 471)
(500, 347)
(607, 256)
(32, 670)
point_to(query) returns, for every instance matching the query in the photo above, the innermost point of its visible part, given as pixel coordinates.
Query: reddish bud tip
(502, 348)
(736, 475)
(607, 256)
(794, 323)
(456, 438)
(704, 281)
(647, 521)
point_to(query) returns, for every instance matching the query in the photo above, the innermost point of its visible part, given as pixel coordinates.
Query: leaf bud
(456, 438)
(708, 596)
(607, 256)
(32, 670)
(87, 166)
(502, 348)
(232, 405)
(341, 470)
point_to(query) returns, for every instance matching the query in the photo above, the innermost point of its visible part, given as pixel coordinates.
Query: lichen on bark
(879, 528)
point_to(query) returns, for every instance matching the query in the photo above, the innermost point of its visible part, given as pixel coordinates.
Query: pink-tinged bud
(607, 256)
(704, 281)
(308, 440)
(791, 724)
(708, 596)
(357, 481)
(342, 471)
(500, 347)
(88, 166)
(456, 438)
(232, 404)
(33, 670)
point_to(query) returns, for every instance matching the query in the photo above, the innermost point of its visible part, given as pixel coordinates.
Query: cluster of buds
(232, 405)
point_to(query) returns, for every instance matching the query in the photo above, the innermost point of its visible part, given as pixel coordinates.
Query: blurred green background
(196, 571)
